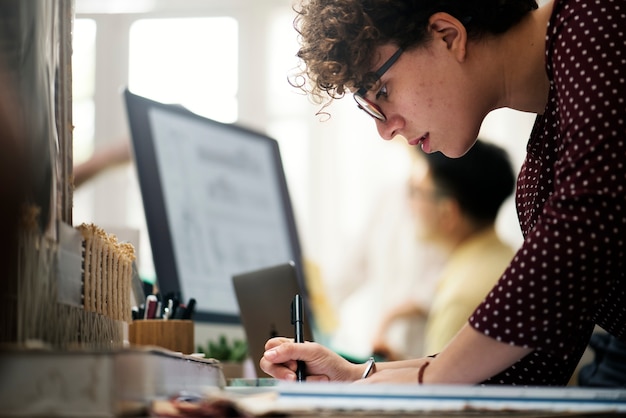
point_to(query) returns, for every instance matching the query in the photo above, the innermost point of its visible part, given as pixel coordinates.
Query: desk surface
(349, 400)
(447, 399)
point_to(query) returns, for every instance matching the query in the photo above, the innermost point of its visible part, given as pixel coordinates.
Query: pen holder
(173, 334)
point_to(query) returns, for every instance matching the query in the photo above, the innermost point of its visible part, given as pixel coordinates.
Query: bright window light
(83, 86)
(189, 61)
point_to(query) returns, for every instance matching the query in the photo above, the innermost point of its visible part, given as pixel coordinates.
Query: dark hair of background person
(480, 181)
(338, 37)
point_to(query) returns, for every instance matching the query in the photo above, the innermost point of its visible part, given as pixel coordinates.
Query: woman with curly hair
(430, 71)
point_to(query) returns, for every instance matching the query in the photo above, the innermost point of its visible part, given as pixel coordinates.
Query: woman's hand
(322, 364)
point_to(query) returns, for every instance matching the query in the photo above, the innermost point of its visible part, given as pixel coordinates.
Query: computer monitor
(215, 200)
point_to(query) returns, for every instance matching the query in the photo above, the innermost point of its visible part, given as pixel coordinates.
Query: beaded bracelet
(420, 373)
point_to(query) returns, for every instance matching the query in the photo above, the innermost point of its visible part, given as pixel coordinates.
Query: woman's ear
(450, 30)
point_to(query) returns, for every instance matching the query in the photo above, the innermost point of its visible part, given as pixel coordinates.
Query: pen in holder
(173, 334)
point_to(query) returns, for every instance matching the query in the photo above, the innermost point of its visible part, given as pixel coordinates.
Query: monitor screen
(215, 200)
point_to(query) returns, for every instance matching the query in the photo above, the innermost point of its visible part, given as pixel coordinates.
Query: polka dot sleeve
(571, 201)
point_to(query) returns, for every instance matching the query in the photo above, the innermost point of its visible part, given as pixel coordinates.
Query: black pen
(297, 319)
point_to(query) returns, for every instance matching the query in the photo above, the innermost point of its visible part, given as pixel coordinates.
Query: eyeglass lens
(371, 108)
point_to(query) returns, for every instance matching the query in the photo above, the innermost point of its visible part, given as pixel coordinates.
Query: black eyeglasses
(369, 107)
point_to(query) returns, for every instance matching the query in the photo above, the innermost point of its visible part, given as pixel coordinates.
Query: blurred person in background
(456, 203)
(115, 154)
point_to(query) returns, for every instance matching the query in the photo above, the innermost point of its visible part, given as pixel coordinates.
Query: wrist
(422, 369)
(420, 373)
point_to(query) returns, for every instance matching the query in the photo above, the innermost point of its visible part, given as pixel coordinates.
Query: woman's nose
(389, 128)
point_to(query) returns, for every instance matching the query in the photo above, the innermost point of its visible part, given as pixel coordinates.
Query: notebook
(264, 298)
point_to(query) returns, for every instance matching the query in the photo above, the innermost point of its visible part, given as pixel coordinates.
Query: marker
(151, 306)
(169, 309)
(297, 319)
(189, 309)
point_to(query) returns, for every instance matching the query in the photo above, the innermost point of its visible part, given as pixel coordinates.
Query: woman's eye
(382, 92)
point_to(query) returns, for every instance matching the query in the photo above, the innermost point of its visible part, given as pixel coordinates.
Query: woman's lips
(423, 141)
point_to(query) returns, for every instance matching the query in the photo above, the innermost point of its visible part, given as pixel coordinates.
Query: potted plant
(231, 355)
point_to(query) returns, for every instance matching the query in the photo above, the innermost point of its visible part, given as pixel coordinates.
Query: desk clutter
(72, 288)
(163, 322)
(81, 290)
(93, 383)
(67, 356)
(63, 350)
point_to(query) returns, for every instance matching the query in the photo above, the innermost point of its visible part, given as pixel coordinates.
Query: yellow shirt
(472, 270)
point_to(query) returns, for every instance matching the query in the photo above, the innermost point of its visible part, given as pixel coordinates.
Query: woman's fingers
(279, 359)
(276, 341)
(279, 371)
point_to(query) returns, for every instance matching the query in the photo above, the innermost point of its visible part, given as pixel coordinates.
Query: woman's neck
(520, 54)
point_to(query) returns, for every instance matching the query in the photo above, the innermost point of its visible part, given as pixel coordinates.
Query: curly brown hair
(338, 37)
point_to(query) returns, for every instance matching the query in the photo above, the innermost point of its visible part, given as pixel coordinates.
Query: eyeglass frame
(367, 105)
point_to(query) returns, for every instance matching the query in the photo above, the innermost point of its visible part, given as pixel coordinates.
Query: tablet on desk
(264, 298)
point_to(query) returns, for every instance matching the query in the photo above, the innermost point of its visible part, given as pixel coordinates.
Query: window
(189, 61)
(83, 106)
(83, 83)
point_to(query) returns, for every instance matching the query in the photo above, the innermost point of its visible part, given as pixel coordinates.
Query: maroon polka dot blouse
(571, 201)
